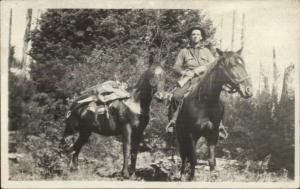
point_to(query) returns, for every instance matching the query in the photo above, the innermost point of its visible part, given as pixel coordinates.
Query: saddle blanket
(102, 109)
(99, 109)
(101, 96)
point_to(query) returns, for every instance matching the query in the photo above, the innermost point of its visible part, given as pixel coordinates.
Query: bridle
(233, 84)
(155, 84)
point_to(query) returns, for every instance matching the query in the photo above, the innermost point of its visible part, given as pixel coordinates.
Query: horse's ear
(220, 53)
(240, 51)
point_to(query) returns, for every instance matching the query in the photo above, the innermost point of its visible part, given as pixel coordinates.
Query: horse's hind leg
(212, 158)
(136, 139)
(183, 156)
(82, 139)
(127, 131)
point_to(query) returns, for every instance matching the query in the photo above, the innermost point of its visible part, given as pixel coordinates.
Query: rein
(232, 88)
(234, 82)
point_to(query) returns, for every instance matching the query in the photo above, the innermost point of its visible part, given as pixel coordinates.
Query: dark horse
(122, 121)
(202, 110)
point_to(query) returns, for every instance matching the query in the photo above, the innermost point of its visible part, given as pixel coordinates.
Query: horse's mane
(198, 89)
(144, 79)
(142, 83)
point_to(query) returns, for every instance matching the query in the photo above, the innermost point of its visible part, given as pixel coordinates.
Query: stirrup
(170, 127)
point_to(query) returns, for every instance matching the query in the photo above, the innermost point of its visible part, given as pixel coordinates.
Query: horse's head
(234, 72)
(151, 84)
(157, 82)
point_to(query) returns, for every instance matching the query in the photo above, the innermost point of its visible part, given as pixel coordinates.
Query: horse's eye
(239, 61)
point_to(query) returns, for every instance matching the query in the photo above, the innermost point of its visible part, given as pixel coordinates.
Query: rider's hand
(189, 73)
(200, 70)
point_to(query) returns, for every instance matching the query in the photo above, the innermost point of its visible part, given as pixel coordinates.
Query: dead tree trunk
(243, 31)
(275, 75)
(9, 41)
(261, 76)
(221, 33)
(287, 104)
(26, 37)
(233, 28)
(274, 86)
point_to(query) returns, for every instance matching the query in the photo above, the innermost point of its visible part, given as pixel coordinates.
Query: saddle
(105, 92)
(100, 97)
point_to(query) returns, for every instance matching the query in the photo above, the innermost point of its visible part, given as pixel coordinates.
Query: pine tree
(275, 85)
(287, 103)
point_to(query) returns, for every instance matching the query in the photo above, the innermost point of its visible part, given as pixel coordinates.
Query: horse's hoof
(74, 169)
(125, 174)
(191, 178)
(214, 172)
(213, 175)
(182, 178)
(133, 176)
(117, 174)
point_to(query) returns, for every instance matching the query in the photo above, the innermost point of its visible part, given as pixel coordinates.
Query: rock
(207, 168)
(226, 153)
(15, 157)
(202, 162)
(166, 168)
(240, 150)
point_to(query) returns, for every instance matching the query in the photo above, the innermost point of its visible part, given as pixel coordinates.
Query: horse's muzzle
(248, 92)
(245, 91)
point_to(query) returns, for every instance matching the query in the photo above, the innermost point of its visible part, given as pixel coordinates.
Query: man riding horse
(190, 64)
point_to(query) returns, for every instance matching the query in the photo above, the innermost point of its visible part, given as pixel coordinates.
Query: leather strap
(194, 57)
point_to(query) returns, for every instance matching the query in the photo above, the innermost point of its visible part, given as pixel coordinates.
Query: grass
(102, 157)
(96, 170)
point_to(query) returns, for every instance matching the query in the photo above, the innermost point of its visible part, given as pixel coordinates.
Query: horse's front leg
(127, 132)
(137, 136)
(212, 140)
(212, 158)
(192, 155)
(183, 153)
(82, 139)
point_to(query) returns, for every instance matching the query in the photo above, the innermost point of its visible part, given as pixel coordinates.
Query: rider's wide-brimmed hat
(196, 27)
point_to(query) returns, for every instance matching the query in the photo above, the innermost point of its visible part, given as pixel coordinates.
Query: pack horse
(120, 118)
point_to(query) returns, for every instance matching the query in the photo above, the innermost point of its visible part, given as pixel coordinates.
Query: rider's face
(196, 36)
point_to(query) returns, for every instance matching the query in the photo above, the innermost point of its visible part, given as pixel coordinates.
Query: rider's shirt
(190, 58)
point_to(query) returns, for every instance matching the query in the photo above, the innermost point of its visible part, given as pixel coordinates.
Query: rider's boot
(170, 126)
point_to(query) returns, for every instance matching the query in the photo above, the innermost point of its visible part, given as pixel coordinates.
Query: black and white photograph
(150, 94)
